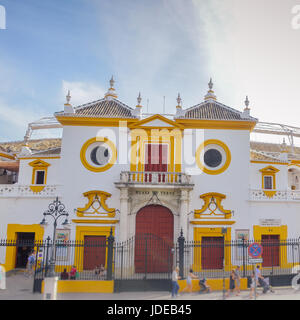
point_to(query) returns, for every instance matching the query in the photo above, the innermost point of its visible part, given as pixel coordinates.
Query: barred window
(268, 182)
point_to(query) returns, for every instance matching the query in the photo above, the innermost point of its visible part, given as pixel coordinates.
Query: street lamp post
(56, 210)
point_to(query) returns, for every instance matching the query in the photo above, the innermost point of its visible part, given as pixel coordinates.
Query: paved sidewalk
(20, 288)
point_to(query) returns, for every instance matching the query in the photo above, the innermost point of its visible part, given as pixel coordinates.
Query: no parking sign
(255, 251)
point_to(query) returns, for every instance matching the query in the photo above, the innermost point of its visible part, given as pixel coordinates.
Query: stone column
(123, 224)
(184, 209)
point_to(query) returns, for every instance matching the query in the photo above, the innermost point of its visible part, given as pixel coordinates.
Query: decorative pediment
(156, 121)
(212, 207)
(39, 163)
(96, 205)
(269, 169)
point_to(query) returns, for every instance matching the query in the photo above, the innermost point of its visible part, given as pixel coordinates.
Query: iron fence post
(244, 265)
(181, 241)
(47, 250)
(110, 249)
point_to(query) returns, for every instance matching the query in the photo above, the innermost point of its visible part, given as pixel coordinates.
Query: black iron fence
(148, 257)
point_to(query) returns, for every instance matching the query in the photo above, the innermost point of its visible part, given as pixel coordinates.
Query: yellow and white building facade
(117, 168)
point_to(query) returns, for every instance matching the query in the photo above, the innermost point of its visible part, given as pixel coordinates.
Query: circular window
(98, 154)
(213, 157)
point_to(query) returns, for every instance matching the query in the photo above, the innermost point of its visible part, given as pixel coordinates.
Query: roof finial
(68, 97)
(178, 101)
(210, 94)
(112, 82)
(139, 99)
(111, 91)
(210, 84)
(247, 102)
(284, 147)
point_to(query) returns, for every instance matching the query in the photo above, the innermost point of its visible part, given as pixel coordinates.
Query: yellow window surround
(38, 165)
(202, 166)
(258, 231)
(269, 171)
(212, 205)
(140, 137)
(81, 232)
(199, 233)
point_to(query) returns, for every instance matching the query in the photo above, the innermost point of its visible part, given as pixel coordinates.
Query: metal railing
(152, 177)
(279, 195)
(149, 257)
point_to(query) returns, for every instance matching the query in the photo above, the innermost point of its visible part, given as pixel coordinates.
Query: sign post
(255, 251)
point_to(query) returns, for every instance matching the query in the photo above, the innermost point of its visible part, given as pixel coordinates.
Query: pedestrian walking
(252, 285)
(189, 284)
(2, 277)
(231, 283)
(30, 264)
(237, 280)
(175, 285)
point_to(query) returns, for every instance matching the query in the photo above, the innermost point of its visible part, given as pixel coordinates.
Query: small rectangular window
(268, 182)
(40, 177)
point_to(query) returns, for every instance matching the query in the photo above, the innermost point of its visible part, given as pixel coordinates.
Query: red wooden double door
(156, 160)
(94, 253)
(271, 250)
(154, 240)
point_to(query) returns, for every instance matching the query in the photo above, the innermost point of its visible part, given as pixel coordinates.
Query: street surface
(18, 287)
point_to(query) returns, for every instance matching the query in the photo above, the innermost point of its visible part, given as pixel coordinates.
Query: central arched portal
(154, 234)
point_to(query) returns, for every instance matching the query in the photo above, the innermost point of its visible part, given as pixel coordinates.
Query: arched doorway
(154, 233)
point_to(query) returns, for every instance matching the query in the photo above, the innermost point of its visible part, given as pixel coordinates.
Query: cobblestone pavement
(18, 287)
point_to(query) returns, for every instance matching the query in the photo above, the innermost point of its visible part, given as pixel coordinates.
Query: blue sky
(158, 47)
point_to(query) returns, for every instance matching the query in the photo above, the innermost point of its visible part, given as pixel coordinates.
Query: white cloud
(82, 92)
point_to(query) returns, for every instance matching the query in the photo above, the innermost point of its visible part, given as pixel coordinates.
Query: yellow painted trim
(141, 137)
(215, 284)
(37, 188)
(102, 196)
(216, 124)
(258, 231)
(111, 161)
(90, 121)
(202, 165)
(38, 158)
(269, 171)
(38, 165)
(95, 221)
(8, 156)
(212, 222)
(82, 231)
(12, 230)
(84, 286)
(141, 124)
(211, 232)
(218, 197)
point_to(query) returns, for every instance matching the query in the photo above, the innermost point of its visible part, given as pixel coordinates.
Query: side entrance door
(94, 252)
(212, 252)
(271, 250)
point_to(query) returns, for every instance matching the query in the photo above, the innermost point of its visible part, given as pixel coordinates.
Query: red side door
(212, 252)
(271, 250)
(94, 252)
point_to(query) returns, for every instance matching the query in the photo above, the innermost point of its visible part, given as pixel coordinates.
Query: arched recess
(154, 234)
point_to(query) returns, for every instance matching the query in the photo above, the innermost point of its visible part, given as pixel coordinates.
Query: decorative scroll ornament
(212, 208)
(96, 205)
